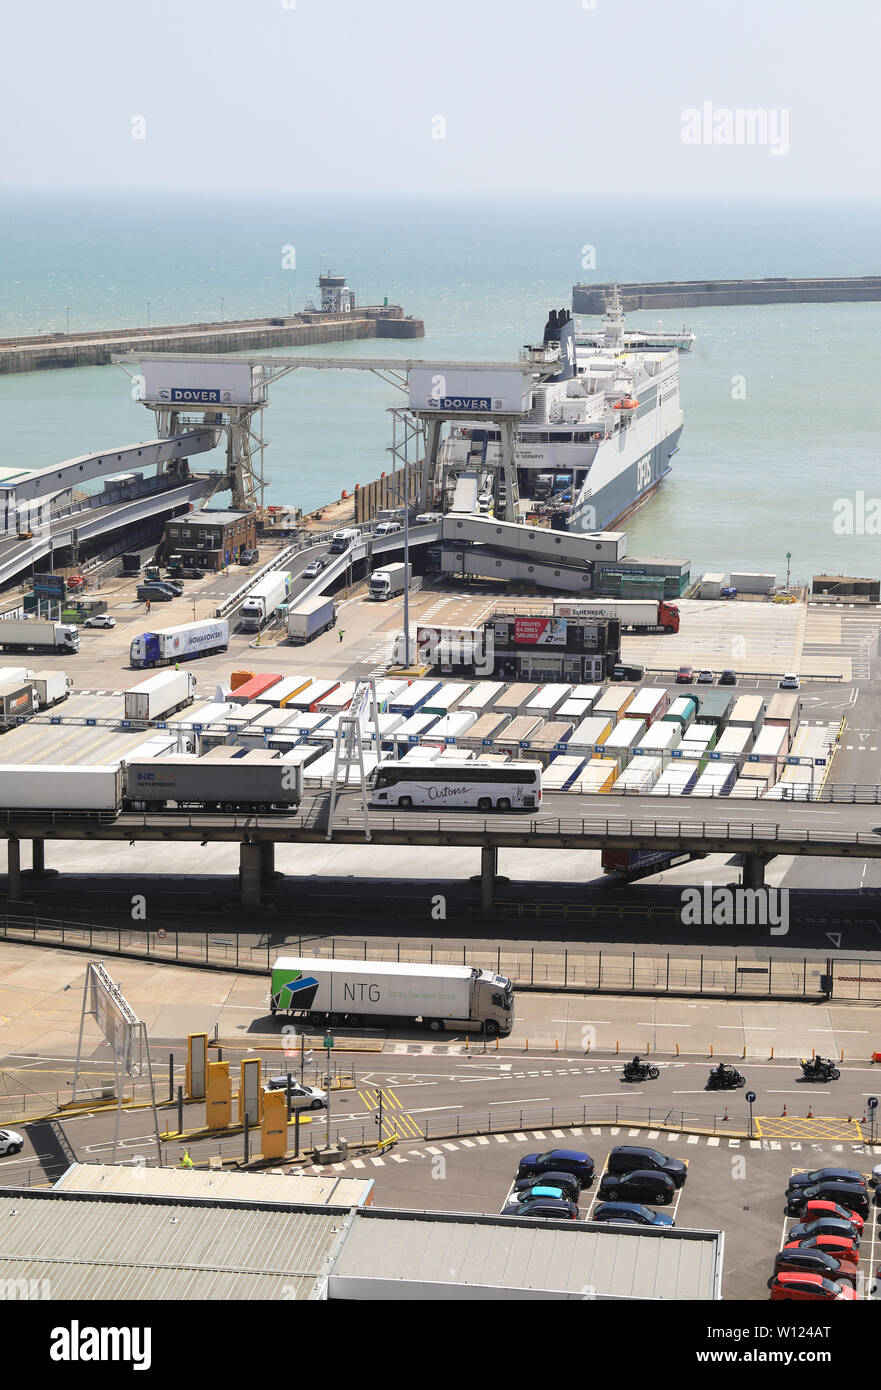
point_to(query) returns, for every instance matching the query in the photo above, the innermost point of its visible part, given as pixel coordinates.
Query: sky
(458, 98)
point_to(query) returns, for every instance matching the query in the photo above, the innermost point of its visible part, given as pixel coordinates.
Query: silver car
(11, 1142)
(302, 1097)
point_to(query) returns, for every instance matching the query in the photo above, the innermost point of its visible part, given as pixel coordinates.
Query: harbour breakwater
(50, 351)
(696, 294)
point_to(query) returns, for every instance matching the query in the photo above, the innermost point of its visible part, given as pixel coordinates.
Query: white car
(302, 1097)
(790, 682)
(100, 620)
(10, 1142)
(314, 568)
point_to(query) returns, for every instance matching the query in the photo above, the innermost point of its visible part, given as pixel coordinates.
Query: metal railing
(586, 969)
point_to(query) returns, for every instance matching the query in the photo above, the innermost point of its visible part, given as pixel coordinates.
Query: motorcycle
(644, 1072)
(819, 1070)
(730, 1080)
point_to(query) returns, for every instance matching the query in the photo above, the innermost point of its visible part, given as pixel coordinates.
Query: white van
(387, 528)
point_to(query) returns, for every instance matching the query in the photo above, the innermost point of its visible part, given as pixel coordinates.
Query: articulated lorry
(263, 600)
(160, 695)
(23, 634)
(637, 615)
(181, 643)
(390, 581)
(310, 617)
(380, 993)
(643, 863)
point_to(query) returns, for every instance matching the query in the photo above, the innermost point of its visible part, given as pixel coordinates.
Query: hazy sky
(552, 96)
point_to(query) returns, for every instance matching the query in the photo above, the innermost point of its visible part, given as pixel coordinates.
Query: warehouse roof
(291, 1188)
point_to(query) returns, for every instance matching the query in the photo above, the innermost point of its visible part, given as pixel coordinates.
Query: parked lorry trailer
(159, 695)
(378, 993)
(181, 643)
(62, 789)
(24, 634)
(389, 581)
(310, 617)
(263, 599)
(634, 615)
(257, 781)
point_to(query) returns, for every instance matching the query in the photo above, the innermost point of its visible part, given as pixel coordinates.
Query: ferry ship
(601, 433)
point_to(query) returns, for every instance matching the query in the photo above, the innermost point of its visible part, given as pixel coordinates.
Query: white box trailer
(483, 697)
(548, 700)
(180, 643)
(160, 695)
(453, 726)
(51, 687)
(47, 787)
(375, 992)
(26, 634)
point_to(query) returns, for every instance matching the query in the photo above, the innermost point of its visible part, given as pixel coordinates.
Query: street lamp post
(221, 308)
(67, 314)
(406, 554)
(148, 313)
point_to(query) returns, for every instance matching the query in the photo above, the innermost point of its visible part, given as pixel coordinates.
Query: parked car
(816, 1262)
(815, 1175)
(175, 586)
(844, 1194)
(154, 593)
(302, 1097)
(643, 1185)
(568, 1184)
(628, 1158)
(839, 1247)
(11, 1142)
(249, 557)
(789, 682)
(633, 1213)
(819, 1210)
(552, 1209)
(315, 567)
(542, 1192)
(826, 1226)
(685, 675)
(728, 678)
(705, 677)
(574, 1161)
(100, 620)
(801, 1284)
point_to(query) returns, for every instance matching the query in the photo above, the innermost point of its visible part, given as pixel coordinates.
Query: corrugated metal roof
(502, 1253)
(301, 1189)
(124, 1248)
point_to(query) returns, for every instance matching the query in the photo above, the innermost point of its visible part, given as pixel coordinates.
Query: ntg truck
(382, 993)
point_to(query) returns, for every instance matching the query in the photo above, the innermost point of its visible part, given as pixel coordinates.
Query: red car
(685, 675)
(811, 1288)
(844, 1250)
(816, 1210)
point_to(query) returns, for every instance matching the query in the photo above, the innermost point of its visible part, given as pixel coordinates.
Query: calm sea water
(782, 407)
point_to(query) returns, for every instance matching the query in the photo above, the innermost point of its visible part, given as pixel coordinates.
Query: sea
(781, 448)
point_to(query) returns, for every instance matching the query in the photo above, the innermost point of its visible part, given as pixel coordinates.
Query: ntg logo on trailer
(293, 990)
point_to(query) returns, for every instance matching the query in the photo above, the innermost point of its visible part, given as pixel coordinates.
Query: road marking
(510, 1102)
(468, 1143)
(501, 1138)
(694, 1139)
(378, 1162)
(481, 1139)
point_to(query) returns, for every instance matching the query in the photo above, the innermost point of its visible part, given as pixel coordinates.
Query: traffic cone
(784, 1107)
(810, 1114)
(725, 1116)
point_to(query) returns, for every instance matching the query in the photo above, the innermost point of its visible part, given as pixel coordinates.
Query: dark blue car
(574, 1161)
(641, 1186)
(634, 1213)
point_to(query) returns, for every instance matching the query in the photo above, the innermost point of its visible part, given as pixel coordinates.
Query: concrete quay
(698, 294)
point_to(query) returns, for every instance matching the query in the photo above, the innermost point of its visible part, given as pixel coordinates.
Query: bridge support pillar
(754, 870)
(13, 851)
(250, 874)
(489, 865)
(267, 860)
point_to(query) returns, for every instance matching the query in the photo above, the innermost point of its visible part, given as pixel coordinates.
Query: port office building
(210, 539)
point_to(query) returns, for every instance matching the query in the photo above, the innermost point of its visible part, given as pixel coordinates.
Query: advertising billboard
(469, 390)
(192, 384)
(540, 632)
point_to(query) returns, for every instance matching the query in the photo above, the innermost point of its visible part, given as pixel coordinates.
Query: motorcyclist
(633, 1068)
(721, 1071)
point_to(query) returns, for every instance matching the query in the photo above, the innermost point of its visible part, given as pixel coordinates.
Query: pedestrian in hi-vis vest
(186, 1161)
(341, 633)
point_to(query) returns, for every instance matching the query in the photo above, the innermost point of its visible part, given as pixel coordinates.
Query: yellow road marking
(793, 1127)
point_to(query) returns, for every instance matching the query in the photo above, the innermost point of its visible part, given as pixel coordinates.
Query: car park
(805, 1286)
(551, 1209)
(11, 1142)
(814, 1261)
(100, 620)
(631, 1213)
(844, 1194)
(843, 1249)
(567, 1183)
(302, 1097)
(628, 1158)
(581, 1165)
(644, 1185)
(685, 675)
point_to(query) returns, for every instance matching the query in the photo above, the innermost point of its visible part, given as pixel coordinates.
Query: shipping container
(456, 755)
(576, 710)
(681, 711)
(759, 771)
(322, 769)
(614, 701)
(715, 709)
(748, 788)
(256, 686)
(483, 696)
(597, 777)
(649, 703)
(734, 743)
(701, 738)
(586, 692)
(338, 699)
(255, 781)
(548, 700)
(307, 721)
(748, 713)
(546, 742)
(387, 689)
(415, 727)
